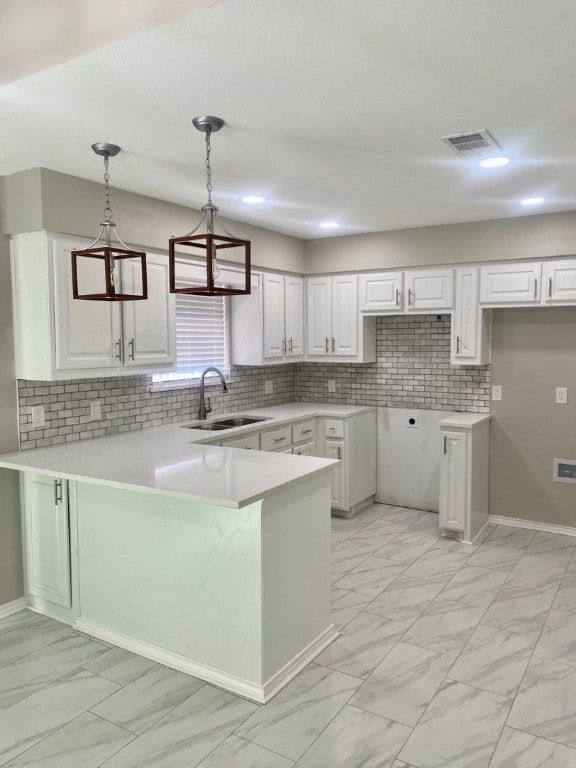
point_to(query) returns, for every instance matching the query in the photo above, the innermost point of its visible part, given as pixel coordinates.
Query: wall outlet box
(331, 385)
(95, 411)
(562, 395)
(268, 387)
(564, 471)
(38, 419)
(496, 392)
(412, 421)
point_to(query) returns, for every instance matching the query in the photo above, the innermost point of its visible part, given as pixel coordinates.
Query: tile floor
(450, 656)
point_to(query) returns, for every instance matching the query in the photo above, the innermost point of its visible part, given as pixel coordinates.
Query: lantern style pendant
(109, 286)
(210, 245)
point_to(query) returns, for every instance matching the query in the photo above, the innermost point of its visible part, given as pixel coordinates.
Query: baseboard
(566, 530)
(353, 510)
(9, 608)
(259, 693)
(297, 664)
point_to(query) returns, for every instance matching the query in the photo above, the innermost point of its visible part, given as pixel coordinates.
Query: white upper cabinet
(58, 337)
(344, 338)
(268, 324)
(319, 303)
(471, 325)
(560, 282)
(509, 284)
(428, 290)
(381, 293)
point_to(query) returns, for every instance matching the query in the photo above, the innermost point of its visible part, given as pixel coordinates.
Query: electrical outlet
(268, 387)
(38, 419)
(331, 385)
(496, 392)
(95, 410)
(562, 395)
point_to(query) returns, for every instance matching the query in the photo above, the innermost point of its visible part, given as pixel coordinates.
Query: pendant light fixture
(105, 252)
(210, 245)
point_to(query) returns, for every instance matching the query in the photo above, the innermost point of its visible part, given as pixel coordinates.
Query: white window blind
(201, 335)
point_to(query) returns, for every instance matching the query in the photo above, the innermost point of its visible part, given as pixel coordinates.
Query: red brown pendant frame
(108, 255)
(209, 245)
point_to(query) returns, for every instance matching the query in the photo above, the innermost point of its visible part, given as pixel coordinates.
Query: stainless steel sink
(239, 421)
(209, 427)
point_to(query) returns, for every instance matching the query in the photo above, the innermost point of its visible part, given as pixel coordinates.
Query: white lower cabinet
(464, 471)
(248, 443)
(334, 449)
(47, 534)
(305, 449)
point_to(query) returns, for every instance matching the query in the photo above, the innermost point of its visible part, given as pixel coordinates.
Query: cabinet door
(560, 282)
(344, 339)
(319, 326)
(305, 449)
(294, 316)
(273, 319)
(248, 443)
(149, 325)
(87, 333)
(334, 449)
(467, 325)
(47, 539)
(429, 289)
(381, 293)
(453, 481)
(509, 284)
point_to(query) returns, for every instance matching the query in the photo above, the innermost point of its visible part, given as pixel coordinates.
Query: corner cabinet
(58, 337)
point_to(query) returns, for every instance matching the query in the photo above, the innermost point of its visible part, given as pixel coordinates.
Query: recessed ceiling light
(329, 225)
(494, 162)
(253, 199)
(532, 200)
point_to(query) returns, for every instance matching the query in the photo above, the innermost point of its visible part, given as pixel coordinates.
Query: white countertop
(465, 420)
(171, 460)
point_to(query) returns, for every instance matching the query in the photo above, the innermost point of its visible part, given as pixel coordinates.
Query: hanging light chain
(107, 208)
(208, 166)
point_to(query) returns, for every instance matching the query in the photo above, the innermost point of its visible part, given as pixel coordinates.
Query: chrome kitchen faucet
(203, 408)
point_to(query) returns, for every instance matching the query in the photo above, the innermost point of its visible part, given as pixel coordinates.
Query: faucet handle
(208, 405)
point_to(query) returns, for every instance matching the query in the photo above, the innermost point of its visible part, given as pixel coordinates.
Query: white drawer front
(334, 428)
(303, 432)
(276, 438)
(250, 442)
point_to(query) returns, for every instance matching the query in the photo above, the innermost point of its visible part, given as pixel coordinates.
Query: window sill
(163, 386)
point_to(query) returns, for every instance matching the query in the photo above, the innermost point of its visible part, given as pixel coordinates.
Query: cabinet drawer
(249, 443)
(333, 428)
(303, 432)
(276, 438)
(305, 449)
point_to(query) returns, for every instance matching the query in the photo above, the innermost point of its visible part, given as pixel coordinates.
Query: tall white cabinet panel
(560, 282)
(334, 449)
(274, 327)
(381, 293)
(319, 302)
(47, 539)
(344, 337)
(453, 482)
(428, 289)
(149, 332)
(294, 315)
(509, 284)
(471, 325)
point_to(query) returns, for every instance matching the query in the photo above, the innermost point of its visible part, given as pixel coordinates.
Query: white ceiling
(334, 110)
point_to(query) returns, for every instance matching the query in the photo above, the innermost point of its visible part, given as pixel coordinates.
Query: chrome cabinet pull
(333, 345)
(131, 350)
(397, 297)
(118, 345)
(339, 451)
(306, 431)
(279, 439)
(247, 447)
(457, 345)
(535, 287)
(327, 344)
(409, 297)
(549, 287)
(445, 441)
(57, 492)
(291, 346)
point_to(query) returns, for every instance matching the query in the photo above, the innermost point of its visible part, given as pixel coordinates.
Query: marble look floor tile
(497, 555)
(381, 529)
(565, 599)
(45, 666)
(296, 716)
(371, 577)
(444, 626)
(519, 537)
(553, 546)
(406, 547)
(517, 749)
(519, 610)
(459, 729)
(235, 752)
(187, 734)
(362, 644)
(436, 563)
(337, 537)
(455, 545)
(356, 739)
(546, 702)
(404, 515)
(405, 599)
(427, 525)
(494, 660)
(473, 585)
(26, 632)
(357, 546)
(343, 562)
(346, 605)
(26, 723)
(85, 742)
(403, 684)
(538, 573)
(558, 639)
(120, 666)
(147, 699)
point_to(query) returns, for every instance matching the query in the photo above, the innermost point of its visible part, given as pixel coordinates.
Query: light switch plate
(38, 420)
(331, 385)
(95, 410)
(562, 395)
(496, 392)
(268, 387)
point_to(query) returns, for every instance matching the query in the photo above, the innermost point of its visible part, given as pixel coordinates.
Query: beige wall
(534, 351)
(525, 237)
(11, 586)
(44, 199)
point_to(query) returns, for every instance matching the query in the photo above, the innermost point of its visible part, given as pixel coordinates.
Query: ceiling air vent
(473, 144)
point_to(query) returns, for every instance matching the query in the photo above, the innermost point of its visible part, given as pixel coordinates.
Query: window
(201, 336)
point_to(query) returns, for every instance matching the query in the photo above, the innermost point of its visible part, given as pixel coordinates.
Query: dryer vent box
(564, 470)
